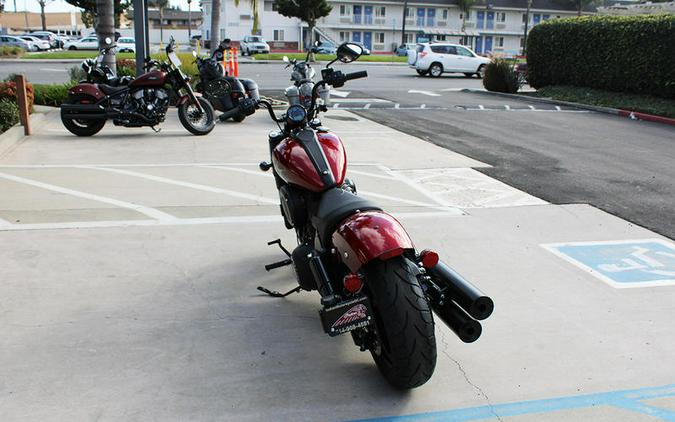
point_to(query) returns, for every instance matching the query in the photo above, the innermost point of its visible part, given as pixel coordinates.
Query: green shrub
(76, 74)
(7, 51)
(614, 53)
(9, 114)
(51, 94)
(500, 77)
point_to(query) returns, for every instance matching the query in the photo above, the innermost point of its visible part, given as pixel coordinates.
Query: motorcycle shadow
(281, 342)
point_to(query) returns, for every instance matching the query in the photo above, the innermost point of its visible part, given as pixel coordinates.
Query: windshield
(256, 39)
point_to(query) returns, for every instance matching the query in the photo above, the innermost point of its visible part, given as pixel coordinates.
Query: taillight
(352, 283)
(422, 54)
(429, 258)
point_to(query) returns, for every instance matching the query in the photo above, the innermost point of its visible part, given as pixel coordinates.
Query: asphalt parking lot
(130, 262)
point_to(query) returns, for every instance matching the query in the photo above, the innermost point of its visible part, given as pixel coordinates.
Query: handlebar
(356, 75)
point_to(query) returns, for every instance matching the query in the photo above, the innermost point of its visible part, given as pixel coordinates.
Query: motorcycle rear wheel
(82, 127)
(194, 121)
(405, 349)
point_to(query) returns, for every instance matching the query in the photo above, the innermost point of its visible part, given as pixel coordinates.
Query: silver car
(10, 41)
(39, 44)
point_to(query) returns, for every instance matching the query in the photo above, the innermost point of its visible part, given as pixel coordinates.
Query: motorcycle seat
(336, 205)
(110, 90)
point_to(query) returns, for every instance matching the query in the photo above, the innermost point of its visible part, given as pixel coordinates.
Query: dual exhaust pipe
(457, 302)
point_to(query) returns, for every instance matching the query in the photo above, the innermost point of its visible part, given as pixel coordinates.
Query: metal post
(141, 33)
(405, 9)
(189, 20)
(527, 21)
(22, 99)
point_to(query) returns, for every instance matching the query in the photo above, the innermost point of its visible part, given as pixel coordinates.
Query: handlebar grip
(356, 75)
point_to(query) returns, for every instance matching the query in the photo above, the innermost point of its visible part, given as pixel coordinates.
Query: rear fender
(369, 235)
(87, 89)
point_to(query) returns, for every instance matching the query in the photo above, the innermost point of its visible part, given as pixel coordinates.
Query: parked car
(50, 37)
(87, 43)
(366, 51)
(126, 44)
(37, 42)
(10, 41)
(325, 48)
(402, 49)
(438, 58)
(520, 70)
(252, 44)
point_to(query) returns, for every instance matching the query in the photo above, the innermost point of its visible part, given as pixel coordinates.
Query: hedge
(51, 94)
(615, 53)
(8, 90)
(9, 114)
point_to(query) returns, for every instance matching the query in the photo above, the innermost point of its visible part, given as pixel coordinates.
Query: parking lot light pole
(189, 20)
(405, 9)
(527, 21)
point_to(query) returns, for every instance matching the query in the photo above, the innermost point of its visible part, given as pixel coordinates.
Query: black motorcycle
(98, 73)
(223, 91)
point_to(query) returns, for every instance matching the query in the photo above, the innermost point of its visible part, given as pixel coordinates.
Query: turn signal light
(352, 283)
(429, 258)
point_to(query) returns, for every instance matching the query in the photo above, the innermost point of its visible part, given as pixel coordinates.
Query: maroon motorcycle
(143, 102)
(373, 283)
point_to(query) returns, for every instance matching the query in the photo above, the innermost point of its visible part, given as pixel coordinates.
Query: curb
(14, 136)
(321, 62)
(607, 110)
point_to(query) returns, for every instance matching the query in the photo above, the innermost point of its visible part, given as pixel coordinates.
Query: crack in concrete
(466, 378)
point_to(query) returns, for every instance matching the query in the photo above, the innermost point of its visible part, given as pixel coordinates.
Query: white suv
(252, 44)
(437, 58)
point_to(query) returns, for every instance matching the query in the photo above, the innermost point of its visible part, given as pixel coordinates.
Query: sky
(62, 6)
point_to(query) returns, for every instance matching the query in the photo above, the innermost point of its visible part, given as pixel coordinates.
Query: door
(368, 15)
(479, 45)
(447, 55)
(431, 17)
(467, 61)
(357, 14)
(356, 36)
(368, 40)
(420, 17)
(488, 44)
(490, 20)
(480, 20)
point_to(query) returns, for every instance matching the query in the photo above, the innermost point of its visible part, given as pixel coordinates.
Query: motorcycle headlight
(296, 115)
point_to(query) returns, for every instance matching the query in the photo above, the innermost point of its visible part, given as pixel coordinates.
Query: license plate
(346, 316)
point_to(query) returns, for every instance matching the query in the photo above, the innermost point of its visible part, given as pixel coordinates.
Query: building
(647, 8)
(491, 27)
(69, 23)
(174, 19)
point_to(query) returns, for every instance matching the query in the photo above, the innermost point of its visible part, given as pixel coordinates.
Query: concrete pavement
(129, 263)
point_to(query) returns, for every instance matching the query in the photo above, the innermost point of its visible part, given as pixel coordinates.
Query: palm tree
(254, 12)
(465, 7)
(105, 28)
(215, 24)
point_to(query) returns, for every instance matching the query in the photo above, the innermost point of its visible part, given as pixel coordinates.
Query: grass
(632, 102)
(385, 58)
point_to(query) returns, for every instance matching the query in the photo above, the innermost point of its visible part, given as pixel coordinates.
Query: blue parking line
(625, 399)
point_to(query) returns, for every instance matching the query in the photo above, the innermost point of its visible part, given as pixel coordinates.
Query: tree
(89, 10)
(43, 17)
(254, 12)
(579, 5)
(308, 11)
(105, 28)
(465, 6)
(215, 24)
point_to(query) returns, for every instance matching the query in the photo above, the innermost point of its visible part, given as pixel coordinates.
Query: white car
(252, 44)
(438, 58)
(126, 44)
(37, 42)
(86, 43)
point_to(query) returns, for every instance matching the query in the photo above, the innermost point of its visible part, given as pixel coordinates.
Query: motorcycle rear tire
(406, 353)
(82, 127)
(210, 117)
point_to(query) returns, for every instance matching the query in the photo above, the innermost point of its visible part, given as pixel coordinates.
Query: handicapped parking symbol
(634, 263)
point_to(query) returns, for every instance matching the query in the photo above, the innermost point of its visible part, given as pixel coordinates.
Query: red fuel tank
(293, 164)
(154, 78)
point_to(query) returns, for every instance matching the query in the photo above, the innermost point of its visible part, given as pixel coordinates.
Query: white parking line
(4, 223)
(150, 212)
(507, 107)
(429, 93)
(196, 186)
(365, 173)
(397, 199)
(277, 219)
(259, 173)
(415, 186)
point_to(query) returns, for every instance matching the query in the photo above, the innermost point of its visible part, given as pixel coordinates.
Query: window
(420, 16)
(522, 42)
(501, 17)
(440, 38)
(222, 33)
(345, 10)
(524, 17)
(464, 52)
(408, 12)
(380, 11)
(278, 35)
(445, 14)
(440, 49)
(379, 37)
(270, 6)
(344, 36)
(409, 38)
(468, 16)
(499, 41)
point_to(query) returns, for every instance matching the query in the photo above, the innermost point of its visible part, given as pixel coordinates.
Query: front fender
(186, 98)
(368, 235)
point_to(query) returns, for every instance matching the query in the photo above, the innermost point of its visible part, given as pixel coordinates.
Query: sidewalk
(131, 259)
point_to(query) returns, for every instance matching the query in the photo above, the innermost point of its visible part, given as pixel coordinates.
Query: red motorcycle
(373, 283)
(143, 102)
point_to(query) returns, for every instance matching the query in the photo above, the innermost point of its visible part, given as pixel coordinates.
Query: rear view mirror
(194, 53)
(285, 59)
(348, 52)
(107, 41)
